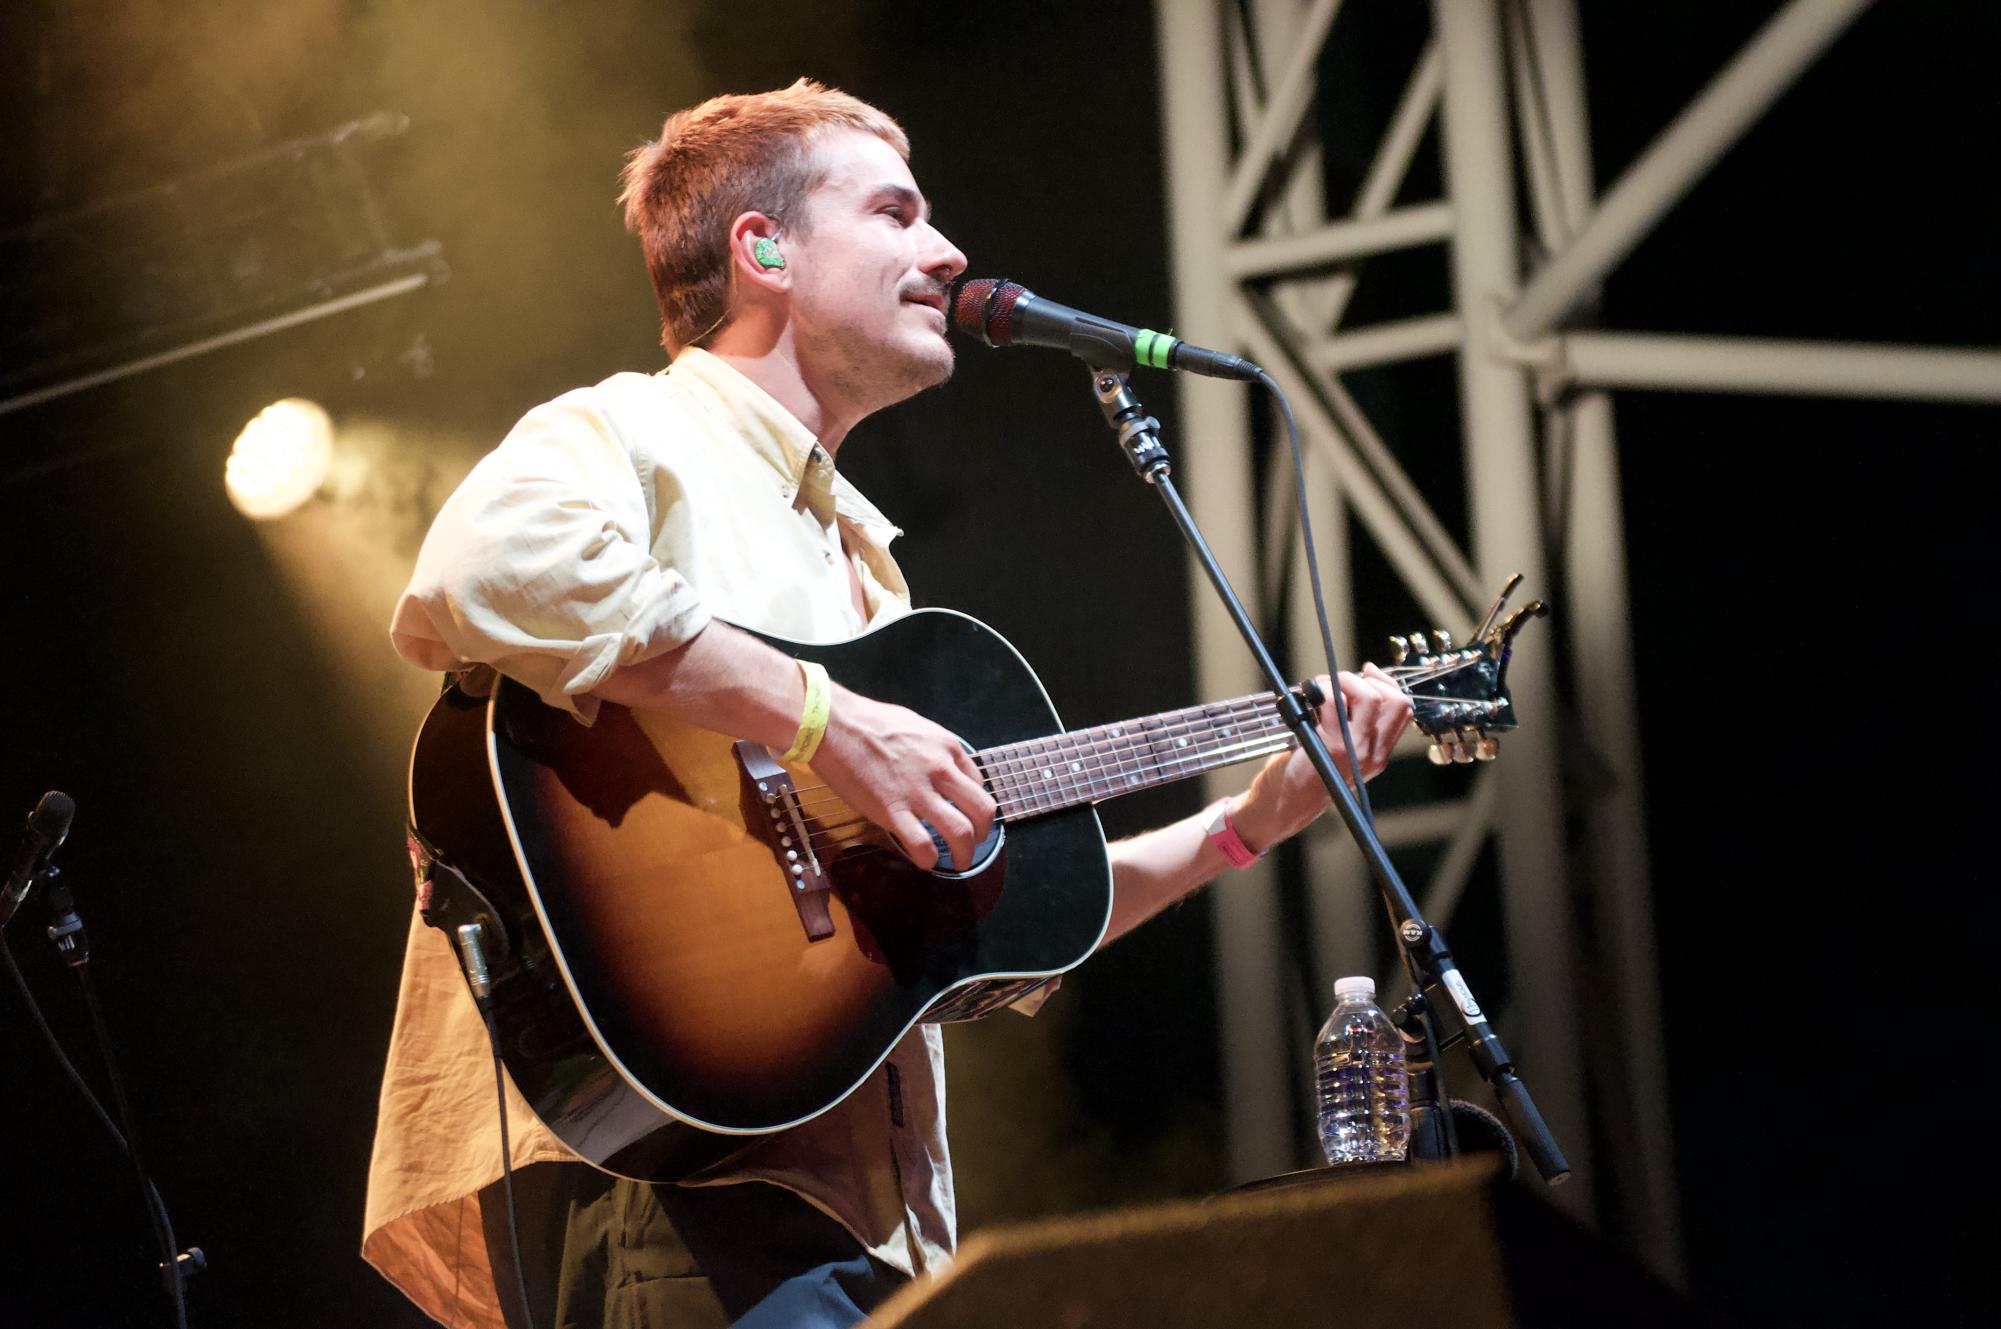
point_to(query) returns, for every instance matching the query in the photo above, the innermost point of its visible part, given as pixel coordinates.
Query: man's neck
(776, 370)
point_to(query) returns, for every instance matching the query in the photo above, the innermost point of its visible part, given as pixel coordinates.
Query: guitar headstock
(1459, 694)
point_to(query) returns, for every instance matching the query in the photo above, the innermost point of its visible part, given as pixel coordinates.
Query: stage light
(280, 459)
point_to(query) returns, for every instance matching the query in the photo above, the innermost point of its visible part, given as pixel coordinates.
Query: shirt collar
(777, 437)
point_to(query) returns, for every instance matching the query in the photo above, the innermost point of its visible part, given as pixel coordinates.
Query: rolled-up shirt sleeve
(542, 562)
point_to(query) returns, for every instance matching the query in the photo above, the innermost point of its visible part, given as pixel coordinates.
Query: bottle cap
(1347, 989)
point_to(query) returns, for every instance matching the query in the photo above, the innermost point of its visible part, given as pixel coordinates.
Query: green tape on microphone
(1152, 348)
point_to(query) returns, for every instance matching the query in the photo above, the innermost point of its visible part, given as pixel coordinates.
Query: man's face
(869, 273)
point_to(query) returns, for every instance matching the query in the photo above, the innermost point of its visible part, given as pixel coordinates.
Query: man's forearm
(1161, 867)
(901, 771)
(1158, 868)
(722, 679)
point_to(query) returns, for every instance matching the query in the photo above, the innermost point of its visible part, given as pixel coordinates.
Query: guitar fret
(1018, 775)
(1106, 761)
(1120, 748)
(1073, 768)
(1089, 765)
(1131, 772)
(1150, 731)
(1009, 761)
(1051, 769)
(1024, 777)
(1031, 782)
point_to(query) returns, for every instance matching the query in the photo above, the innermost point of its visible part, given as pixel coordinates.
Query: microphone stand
(1440, 986)
(72, 944)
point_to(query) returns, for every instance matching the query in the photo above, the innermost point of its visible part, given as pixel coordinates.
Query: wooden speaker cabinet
(1402, 1248)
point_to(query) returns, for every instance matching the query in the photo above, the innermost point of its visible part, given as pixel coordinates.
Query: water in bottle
(1359, 1063)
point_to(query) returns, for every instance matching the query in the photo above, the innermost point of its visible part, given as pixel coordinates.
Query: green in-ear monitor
(765, 251)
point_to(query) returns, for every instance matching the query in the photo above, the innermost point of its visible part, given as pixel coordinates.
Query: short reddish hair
(711, 164)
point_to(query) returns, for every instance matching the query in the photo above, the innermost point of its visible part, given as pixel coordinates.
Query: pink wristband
(1223, 834)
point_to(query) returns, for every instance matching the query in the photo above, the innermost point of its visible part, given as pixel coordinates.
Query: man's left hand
(1287, 794)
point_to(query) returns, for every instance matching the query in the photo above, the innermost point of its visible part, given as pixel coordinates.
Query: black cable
(507, 1166)
(163, 1228)
(156, 1208)
(1347, 739)
(1319, 600)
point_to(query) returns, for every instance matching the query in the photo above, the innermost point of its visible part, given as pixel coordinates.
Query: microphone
(48, 826)
(998, 312)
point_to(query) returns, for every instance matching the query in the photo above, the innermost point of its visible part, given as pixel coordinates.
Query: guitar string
(823, 836)
(867, 837)
(1020, 791)
(1015, 803)
(1261, 705)
(1086, 761)
(1031, 789)
(1013, 807)
(1126, 745)
(872, 839)
(1034, 784)
(1026, 791)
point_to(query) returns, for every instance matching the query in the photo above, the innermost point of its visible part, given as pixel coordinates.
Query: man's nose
(946, 262)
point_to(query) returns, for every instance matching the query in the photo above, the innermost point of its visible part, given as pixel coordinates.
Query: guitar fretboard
(1090, 765)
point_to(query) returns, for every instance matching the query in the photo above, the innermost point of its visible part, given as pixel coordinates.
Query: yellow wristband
(813, 716)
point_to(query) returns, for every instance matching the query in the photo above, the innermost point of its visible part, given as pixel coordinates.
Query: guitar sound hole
(983, 852)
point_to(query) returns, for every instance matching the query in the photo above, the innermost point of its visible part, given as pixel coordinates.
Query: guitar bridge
(782, 824)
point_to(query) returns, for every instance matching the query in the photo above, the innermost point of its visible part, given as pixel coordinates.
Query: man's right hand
(889, 764)
(900, 770)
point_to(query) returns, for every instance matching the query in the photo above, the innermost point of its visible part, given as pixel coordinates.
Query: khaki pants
(600, 1252)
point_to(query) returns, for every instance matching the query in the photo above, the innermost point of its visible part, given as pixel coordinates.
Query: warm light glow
(280, 459)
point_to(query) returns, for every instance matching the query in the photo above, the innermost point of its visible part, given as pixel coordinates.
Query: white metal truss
(1256, 253)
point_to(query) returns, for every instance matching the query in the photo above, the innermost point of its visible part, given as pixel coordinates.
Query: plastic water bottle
(1364, 1097)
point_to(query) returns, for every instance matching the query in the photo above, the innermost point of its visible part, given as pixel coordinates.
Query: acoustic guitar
(689, 942)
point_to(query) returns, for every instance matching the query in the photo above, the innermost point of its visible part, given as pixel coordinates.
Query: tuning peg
(1462, 750)
(1533, 609)
(1399, 649)
(1487, 748)
(1494, 609)
(1419, 644)
(1442, 639)
(1437, 753)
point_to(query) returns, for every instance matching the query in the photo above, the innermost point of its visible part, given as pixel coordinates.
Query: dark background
(1807, 598)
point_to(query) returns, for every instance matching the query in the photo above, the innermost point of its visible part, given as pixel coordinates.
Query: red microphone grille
(983, 308)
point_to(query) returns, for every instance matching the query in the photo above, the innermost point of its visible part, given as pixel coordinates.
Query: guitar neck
(1091, 765)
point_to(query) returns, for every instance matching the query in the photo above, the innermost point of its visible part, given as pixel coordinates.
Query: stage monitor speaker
(1403, 1249)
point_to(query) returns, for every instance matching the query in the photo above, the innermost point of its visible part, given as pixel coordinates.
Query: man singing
(593, 556)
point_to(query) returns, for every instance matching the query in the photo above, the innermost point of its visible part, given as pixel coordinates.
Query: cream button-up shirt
(607, 528)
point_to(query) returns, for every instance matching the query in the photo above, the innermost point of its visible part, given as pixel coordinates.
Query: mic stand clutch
(1429, 960)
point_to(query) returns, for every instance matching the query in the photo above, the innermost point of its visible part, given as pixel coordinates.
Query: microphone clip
(65, 927)
(1138, 433)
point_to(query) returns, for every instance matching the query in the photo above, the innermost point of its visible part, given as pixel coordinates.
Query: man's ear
(757, 253)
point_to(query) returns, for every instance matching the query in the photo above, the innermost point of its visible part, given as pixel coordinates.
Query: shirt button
(830, 556)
